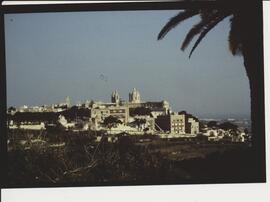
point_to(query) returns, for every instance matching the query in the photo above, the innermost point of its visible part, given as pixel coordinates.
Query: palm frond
(207, 13)
(196, 29)
(205, 31)
(174, 21)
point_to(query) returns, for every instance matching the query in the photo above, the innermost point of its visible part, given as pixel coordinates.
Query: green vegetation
(139, 111)
(65, 158)
(111, 121)
(50, 117)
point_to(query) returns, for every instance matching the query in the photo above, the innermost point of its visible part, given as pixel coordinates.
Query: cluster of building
(133, 117)
(59, 107)
(140, 117)
(217, 134)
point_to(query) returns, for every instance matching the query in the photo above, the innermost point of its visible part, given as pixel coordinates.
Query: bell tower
(115, 98)
(67, 101)
(134, 96)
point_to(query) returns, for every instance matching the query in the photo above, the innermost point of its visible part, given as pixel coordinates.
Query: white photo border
(188, 193)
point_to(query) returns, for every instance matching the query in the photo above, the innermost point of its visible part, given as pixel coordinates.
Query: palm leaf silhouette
(245, 38)
(173, 22)
(197, 29)
(207, 28)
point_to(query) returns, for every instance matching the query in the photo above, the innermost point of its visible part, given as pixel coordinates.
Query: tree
(212, 124)
(140, 111)
(139, 122)
(228, 126)
(11, 109)
(245, 38)
(75, 112)
(110, 121)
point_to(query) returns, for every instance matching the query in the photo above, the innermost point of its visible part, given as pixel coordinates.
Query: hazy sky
(87, 55)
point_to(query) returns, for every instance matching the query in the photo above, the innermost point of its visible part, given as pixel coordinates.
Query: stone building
(180, 123)
(174, 123)
(123, 110)
(134, 96)
(99, 113)
(115, 98)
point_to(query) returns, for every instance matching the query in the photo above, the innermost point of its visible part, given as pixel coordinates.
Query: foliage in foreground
(81, 161)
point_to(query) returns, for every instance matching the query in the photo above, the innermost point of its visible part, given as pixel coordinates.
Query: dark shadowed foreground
(66, 159)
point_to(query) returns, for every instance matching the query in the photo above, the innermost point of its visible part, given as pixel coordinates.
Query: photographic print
(135, 97)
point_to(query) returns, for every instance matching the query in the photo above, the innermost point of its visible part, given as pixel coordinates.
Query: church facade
(156, 115)
(120, 108)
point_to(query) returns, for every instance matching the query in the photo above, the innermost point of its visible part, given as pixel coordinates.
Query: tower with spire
(115, 98)
(134, 96)
(67, 101)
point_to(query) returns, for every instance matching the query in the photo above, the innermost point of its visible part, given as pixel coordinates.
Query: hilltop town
(132, 117)
(118, 141)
